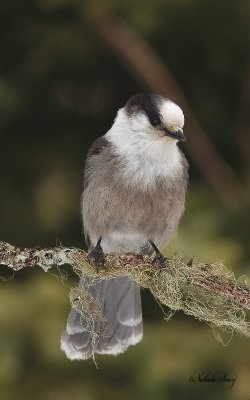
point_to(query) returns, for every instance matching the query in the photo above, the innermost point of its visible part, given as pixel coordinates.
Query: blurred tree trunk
(244, 124)
(135, 51)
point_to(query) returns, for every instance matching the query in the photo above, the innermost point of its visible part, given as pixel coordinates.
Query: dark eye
(155, 120)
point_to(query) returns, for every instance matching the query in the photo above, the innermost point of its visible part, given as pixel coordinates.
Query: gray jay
(135, 182)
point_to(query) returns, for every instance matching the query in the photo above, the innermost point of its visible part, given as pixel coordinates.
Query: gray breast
(116, 211)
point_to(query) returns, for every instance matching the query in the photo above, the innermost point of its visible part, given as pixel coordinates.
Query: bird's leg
(97, 254)
(159, 258)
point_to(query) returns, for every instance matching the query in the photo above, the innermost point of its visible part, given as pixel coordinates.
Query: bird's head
(145, 133)
(154, 114)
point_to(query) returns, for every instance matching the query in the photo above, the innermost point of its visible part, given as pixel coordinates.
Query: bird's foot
(159, 258)
(97, 255)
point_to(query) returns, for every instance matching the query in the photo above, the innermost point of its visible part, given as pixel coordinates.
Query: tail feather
(74, 323)
(76, 346)
(120, 302)
(129, 312)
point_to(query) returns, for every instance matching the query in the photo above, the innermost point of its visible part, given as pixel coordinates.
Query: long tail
(120, 302)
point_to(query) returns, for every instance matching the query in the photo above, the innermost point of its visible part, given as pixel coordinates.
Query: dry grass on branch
(209, 292)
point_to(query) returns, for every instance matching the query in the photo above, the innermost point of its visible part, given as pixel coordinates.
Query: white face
(149, 118)
(146, 135)
(170, 118)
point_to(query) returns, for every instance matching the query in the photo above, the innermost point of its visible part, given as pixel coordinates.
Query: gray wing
(94, 151)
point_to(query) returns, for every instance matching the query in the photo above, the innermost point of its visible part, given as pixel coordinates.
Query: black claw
(159, 258)
(98, 255)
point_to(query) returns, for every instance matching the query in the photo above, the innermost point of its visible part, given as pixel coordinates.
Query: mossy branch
(209, 292)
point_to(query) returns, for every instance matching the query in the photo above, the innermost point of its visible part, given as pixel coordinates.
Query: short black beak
(179, 135)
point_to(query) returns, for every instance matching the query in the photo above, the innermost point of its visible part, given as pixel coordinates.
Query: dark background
(63, 75)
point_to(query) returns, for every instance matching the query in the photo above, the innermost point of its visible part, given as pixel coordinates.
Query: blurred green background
(63, 75)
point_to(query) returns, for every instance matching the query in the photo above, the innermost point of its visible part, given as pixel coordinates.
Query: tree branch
(209, 292)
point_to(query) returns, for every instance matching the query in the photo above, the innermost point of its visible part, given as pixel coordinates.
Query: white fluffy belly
(123, 242)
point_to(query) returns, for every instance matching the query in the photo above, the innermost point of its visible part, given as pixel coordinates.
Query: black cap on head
(147, 103)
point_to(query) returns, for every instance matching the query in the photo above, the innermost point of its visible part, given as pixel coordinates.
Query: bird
(135, 184)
